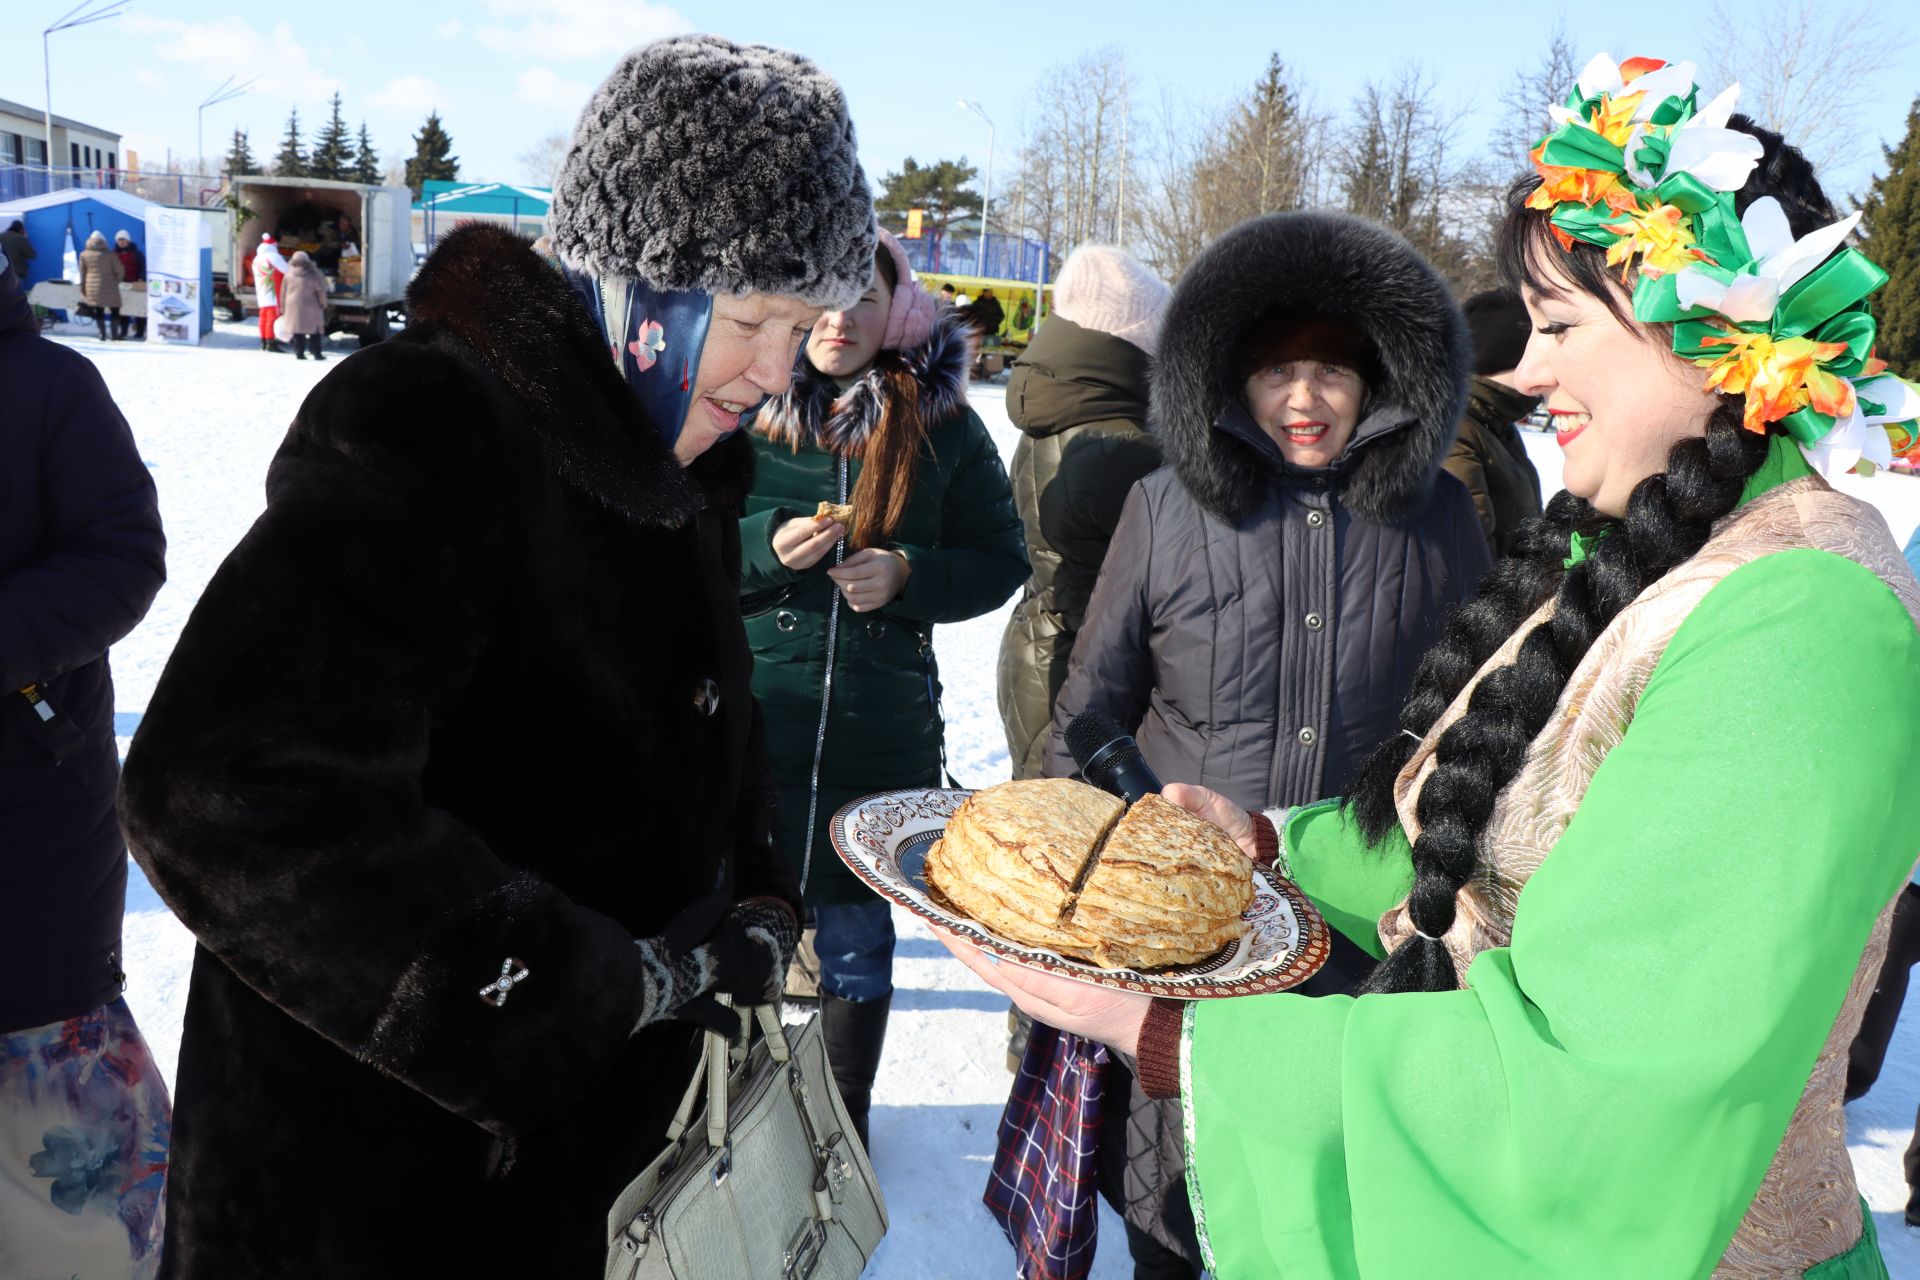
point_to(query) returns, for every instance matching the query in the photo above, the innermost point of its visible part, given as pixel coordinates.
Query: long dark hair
(1669, 517)
(890, 458)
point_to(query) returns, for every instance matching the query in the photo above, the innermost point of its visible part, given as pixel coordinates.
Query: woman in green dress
(1629, 865)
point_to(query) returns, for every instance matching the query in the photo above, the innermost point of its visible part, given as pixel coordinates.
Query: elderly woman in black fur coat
(456, 773)
(1267, 595)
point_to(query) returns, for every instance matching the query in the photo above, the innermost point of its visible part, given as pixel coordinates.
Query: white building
(23, 141)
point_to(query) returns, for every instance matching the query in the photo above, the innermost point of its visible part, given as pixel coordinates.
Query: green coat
(1603, 1095)
(1079, 397)
(877, 727)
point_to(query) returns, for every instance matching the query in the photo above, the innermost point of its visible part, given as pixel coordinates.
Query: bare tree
(1798, 64)
(541, 161)
(1396, 165)
(1077, 164)
(1174, 223)
(1523, 107)
(1260, 154)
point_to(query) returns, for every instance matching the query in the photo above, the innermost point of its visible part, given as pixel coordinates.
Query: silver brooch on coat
(513, 971)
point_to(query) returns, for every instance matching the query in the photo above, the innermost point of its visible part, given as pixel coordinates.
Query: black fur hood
(814, 410)
(1342, 266)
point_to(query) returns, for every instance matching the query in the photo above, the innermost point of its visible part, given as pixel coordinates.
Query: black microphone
(1108, 756)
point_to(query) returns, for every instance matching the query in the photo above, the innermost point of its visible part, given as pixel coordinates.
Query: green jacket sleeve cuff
(1353, 883)
(760, 568)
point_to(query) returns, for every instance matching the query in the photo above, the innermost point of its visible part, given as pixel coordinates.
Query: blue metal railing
(958, 253)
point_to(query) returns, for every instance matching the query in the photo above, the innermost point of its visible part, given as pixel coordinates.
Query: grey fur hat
(707, 165)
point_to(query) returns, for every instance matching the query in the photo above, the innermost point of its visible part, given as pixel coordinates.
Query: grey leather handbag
(763, 1180)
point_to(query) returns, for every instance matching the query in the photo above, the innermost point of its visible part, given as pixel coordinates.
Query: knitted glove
(713, 948)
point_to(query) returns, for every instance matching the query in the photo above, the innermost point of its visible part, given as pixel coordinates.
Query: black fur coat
(449, 702)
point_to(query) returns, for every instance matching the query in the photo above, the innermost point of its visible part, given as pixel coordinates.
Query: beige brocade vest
(1807, 1209)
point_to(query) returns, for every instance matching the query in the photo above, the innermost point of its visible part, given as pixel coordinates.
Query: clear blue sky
(504, 73)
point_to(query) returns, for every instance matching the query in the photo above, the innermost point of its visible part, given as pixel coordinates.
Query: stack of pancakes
(1058, 864)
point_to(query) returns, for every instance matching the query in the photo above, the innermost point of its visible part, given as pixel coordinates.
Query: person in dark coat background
(19, 249)
(1488, 456)
(1078, 394)
(841, 617)
(133, 263)
(456, 773)
(84, 1114)
(986, 314)
(1268, 594)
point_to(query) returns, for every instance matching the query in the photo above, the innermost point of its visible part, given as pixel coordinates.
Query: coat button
(1315, 622)
(1315, 519)
(786, 620)
(876, 628)
(1308, 737)
(706, 697)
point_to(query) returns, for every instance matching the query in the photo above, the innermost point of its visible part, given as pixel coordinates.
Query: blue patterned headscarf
(657, 342)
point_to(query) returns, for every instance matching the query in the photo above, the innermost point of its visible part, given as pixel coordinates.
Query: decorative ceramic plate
(885, 839)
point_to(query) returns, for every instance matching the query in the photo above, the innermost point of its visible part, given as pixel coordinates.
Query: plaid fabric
(1042, 1190)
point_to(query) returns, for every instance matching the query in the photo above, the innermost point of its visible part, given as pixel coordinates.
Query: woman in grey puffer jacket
(1267, 595)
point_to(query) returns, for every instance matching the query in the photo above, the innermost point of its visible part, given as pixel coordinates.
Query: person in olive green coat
(1079, 397)
(1488, 455)
(840, 615)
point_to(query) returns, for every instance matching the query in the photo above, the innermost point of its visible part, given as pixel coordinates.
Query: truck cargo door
(388, 251)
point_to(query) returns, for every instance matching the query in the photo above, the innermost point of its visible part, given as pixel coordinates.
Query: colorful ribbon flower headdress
(1638, 167)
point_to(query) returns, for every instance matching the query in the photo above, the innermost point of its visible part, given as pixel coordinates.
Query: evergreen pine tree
(433, 160)
(240, 156)
(366, 161)
(1891, 222)
(292, 160)
(332, 155)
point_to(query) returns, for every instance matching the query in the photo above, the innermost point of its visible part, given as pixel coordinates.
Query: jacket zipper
(826, 688)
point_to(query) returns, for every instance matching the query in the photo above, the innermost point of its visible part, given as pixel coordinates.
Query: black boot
(1019, 1031)
(274, 345)
(263, 344)
(855, 1032)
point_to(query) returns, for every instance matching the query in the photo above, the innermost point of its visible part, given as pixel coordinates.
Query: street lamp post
(986, 198)
(78, 16)
(214, 99)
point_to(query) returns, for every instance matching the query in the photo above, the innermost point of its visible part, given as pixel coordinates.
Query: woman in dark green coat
(840, 614)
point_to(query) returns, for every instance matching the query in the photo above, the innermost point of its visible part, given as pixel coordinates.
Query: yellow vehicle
(1023, 300)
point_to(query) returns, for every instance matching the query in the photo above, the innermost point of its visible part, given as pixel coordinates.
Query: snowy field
(208, 420)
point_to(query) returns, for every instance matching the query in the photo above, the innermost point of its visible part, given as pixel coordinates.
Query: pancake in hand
(842, 512)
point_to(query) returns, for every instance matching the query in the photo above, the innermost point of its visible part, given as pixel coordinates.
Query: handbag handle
(712, 1072)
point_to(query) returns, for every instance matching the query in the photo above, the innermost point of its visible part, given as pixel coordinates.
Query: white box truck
(330, 219)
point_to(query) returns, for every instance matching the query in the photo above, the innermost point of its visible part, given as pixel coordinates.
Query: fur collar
(1347, 267)
(814, 411)
(486, 291)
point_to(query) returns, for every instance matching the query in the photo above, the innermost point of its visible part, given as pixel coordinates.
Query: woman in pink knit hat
(841, 605)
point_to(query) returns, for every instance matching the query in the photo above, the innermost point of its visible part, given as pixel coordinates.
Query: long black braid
(1669, 518)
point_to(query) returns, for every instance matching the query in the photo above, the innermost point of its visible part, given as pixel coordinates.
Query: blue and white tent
(48, 218)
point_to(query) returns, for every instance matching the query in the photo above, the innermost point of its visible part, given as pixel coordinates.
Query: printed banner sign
(173, 275)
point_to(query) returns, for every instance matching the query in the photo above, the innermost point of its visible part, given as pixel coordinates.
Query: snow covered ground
(208, 420)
